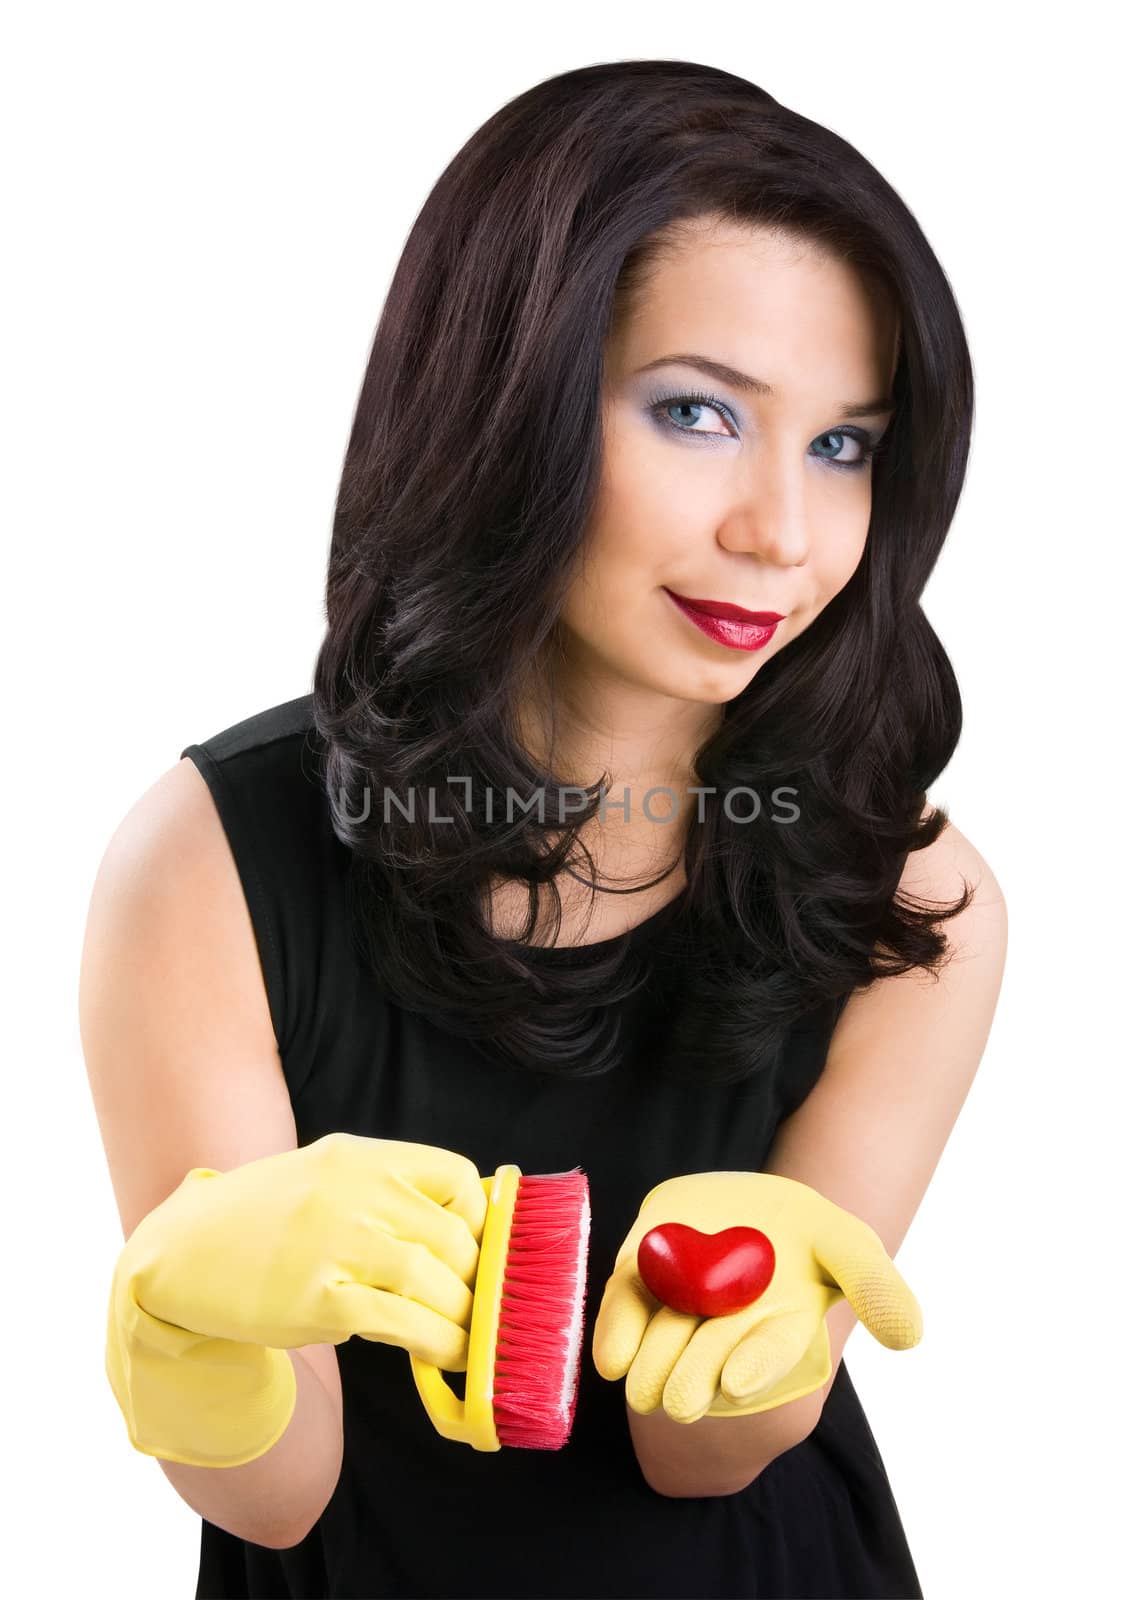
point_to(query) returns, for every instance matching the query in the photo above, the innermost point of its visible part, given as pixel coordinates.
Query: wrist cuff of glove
(780, 1395)
(196, 1400)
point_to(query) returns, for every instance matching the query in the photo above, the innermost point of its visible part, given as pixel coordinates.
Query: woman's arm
(869, 1137)
(185, 1071)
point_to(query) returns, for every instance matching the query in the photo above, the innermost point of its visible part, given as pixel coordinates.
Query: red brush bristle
(538, 1347)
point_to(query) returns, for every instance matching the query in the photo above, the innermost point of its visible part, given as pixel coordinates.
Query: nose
(770, 518)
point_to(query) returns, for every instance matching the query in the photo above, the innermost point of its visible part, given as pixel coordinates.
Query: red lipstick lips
(727, 624)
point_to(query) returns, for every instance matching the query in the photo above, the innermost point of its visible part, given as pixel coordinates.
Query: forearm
(721, 1455)
(275, 1499)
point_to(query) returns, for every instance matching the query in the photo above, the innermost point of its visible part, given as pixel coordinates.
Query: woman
(654, 339)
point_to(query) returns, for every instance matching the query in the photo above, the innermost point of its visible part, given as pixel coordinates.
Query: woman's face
(755, 495)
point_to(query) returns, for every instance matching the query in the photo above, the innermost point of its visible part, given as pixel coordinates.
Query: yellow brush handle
(472, 1419)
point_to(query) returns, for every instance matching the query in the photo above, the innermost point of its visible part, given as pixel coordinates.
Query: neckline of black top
(579, 951)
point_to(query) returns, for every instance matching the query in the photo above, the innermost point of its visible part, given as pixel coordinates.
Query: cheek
(594, 591)
(644, 525)
(647, 488)
(632, 527)
(619, 571)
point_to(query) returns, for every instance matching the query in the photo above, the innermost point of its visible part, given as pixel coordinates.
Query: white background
(204, 205)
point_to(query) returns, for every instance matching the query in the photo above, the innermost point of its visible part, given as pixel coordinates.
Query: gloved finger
(665, 1339)
(693, 1383)
(387, 1318)
(766, 1356)
(853, 1254)
(408, 1269)
(446, 1233)
(425, 1180)
(626, 1309)
(449, 1180)
(810, 1373)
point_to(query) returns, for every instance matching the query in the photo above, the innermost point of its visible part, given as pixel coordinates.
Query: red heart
(705, 1274)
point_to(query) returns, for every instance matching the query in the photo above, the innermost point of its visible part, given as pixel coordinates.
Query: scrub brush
(524, 1346)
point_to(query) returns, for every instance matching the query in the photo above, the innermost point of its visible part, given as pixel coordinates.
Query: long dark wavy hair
(466, 489)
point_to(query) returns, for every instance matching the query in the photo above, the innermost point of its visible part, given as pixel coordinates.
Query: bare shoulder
(174, 1019)
(170, 846)
(943, 869)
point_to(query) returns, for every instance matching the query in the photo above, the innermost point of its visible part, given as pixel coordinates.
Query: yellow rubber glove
(348, 1235)
(777, 1348)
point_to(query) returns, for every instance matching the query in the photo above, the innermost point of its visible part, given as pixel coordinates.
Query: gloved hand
(777, 1348)
(348, 1235)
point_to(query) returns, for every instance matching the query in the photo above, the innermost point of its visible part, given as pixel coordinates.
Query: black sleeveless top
(414, 1513)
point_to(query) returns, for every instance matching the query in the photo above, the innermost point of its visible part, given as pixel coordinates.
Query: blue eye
(660, 405)
(867, 449)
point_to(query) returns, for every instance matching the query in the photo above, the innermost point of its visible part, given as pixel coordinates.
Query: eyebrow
(742, 380)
